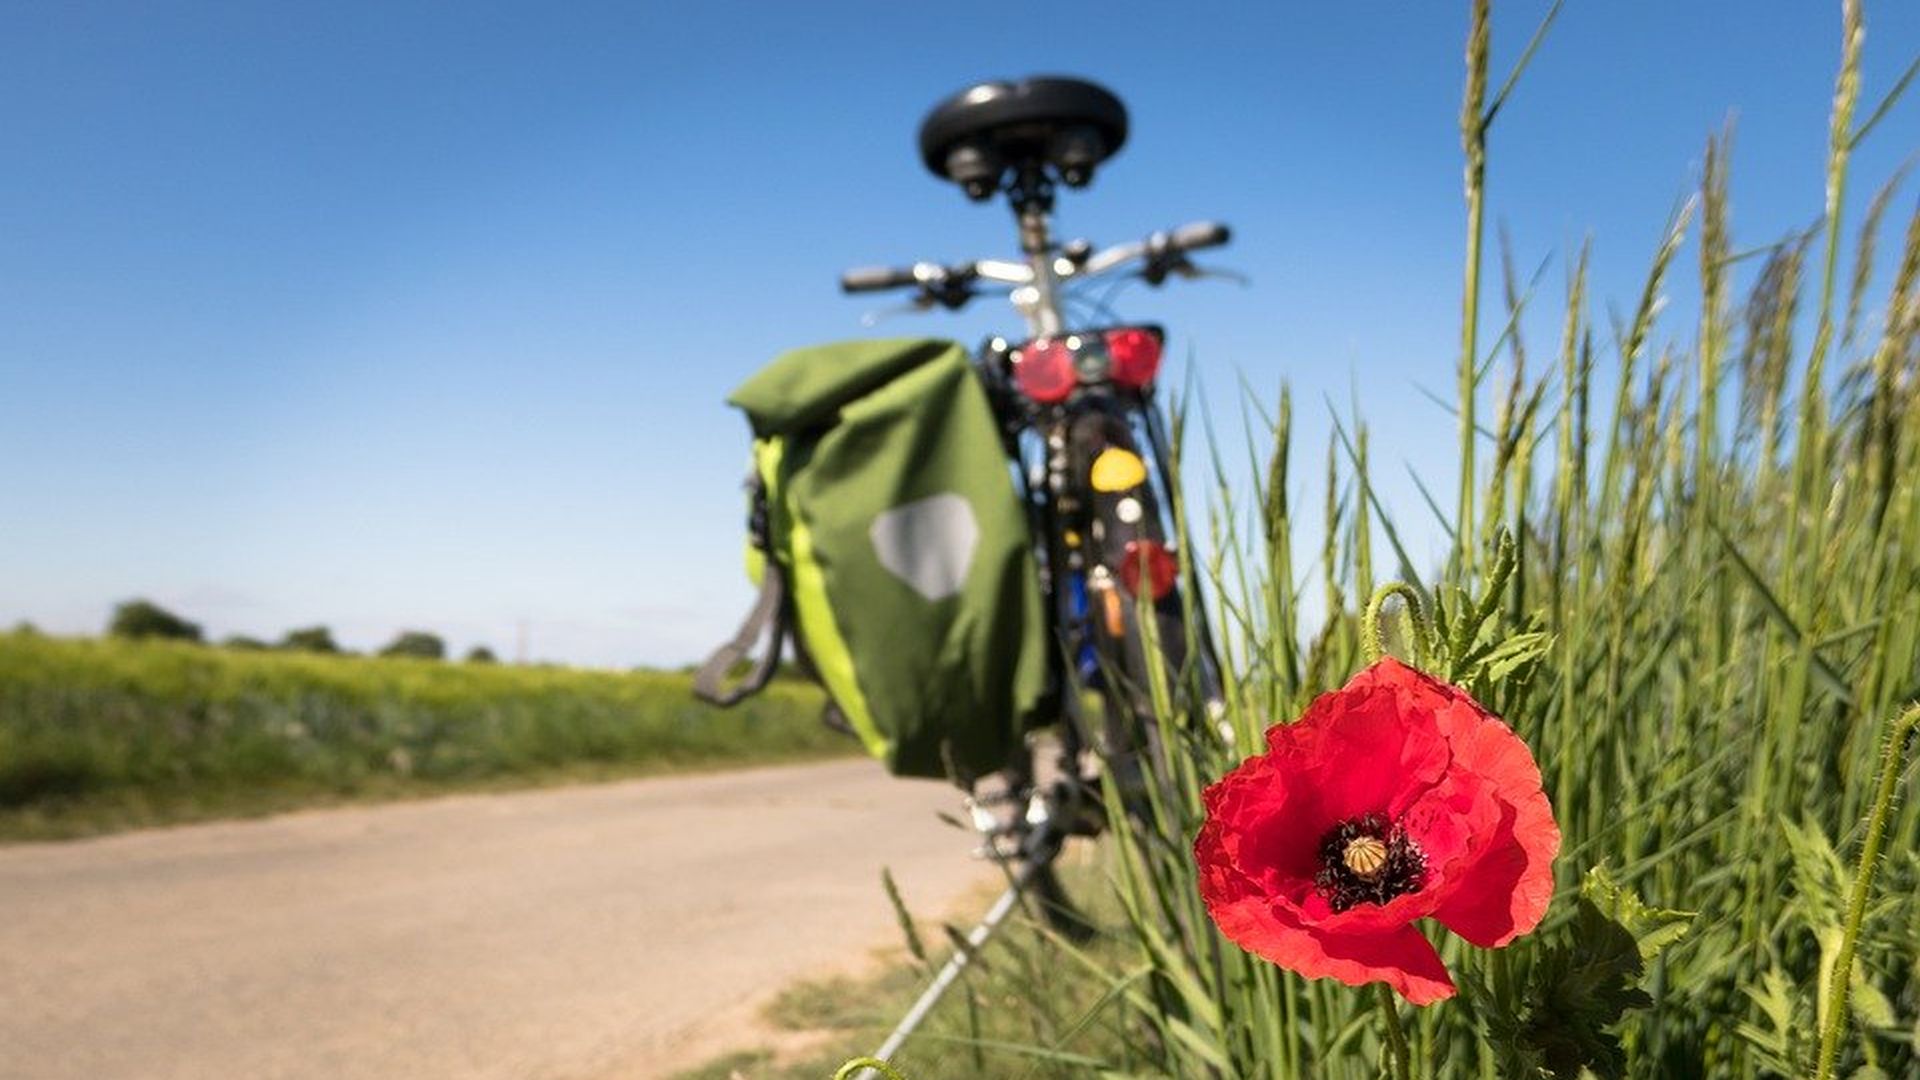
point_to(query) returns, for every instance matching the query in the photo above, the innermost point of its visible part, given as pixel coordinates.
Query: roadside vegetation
(1026, 1008)
(114, 733)
(1685, 567)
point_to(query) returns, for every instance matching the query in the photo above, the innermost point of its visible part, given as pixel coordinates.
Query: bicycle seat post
(1031, 194)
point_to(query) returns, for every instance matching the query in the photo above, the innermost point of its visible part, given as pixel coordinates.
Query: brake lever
(1197, 273)
(951, 288)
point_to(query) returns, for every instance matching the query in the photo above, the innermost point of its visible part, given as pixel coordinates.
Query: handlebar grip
(875, 278)
(1199, 234)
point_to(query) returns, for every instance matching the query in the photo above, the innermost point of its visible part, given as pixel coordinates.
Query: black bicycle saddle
(975, 136)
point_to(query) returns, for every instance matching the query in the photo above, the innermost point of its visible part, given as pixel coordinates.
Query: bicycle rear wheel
(1152, 668)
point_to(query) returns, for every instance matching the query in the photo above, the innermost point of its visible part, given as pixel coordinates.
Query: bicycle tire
(1116, 518)
(1085, 531)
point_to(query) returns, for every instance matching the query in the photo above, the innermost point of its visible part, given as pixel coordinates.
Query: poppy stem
(1372, 641)
(1397, 1050)
(1841, 979)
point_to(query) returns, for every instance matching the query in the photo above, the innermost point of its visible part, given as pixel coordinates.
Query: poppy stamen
(1368, 860)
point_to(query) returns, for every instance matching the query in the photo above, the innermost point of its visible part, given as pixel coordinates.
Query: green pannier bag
(891, 547)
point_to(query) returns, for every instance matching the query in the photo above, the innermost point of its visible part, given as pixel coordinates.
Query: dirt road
(620, 930)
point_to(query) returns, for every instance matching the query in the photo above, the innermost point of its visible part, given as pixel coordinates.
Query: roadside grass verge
(101, 735)
(1031, 1006)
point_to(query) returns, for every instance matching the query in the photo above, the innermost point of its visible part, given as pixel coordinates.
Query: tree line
(146, 620)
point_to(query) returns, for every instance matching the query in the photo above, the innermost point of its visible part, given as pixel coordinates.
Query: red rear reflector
(1135, 356)
(1158, 563)
(1044, 370)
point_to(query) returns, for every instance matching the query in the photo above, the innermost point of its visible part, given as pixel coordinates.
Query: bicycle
(1089, 445)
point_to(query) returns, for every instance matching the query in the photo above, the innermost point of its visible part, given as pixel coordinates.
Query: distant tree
(145, 619)
(417, 643)
(243, 643)
(26, 629)
(480, 654)
(314, 639)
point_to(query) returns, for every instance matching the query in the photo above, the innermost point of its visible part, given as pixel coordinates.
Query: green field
(98, 735)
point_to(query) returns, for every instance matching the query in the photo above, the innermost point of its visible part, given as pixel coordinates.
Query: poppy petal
(1504, 887)
(1262, 803)
(1365, 751)
(1402, 958)
(1504, 892)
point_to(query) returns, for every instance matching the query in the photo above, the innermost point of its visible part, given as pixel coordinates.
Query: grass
(1711, 604)
(1686, 569)
(98, 734)
(1013, 1015)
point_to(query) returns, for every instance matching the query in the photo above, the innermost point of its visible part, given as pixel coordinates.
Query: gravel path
(618, 930)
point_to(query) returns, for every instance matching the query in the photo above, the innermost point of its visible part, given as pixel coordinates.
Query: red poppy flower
(1395, 798)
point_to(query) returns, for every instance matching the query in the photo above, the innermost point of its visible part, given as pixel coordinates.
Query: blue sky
(408, 315)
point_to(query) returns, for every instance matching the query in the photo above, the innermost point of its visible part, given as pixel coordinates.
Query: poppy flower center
(1368, 860)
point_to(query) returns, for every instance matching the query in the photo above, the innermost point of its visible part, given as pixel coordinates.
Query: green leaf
(1829, 938)
(1870, 1005)
(1562, 1020)
(1820, 879)
(1585, 988)
(1777, 1047)
(1514, 653)
(1501, 1031)
(1865, 1000)
(1653, 929)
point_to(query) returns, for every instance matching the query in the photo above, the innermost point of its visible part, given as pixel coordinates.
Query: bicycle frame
(1042, 442)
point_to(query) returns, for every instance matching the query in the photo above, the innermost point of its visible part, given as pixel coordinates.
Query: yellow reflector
(1118, 470)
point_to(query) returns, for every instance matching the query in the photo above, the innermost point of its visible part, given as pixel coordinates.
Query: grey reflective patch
(928, 543)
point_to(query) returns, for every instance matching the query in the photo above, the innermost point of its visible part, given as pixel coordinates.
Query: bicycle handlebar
(876, 278)
(1200, 234)
(1157, 251)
